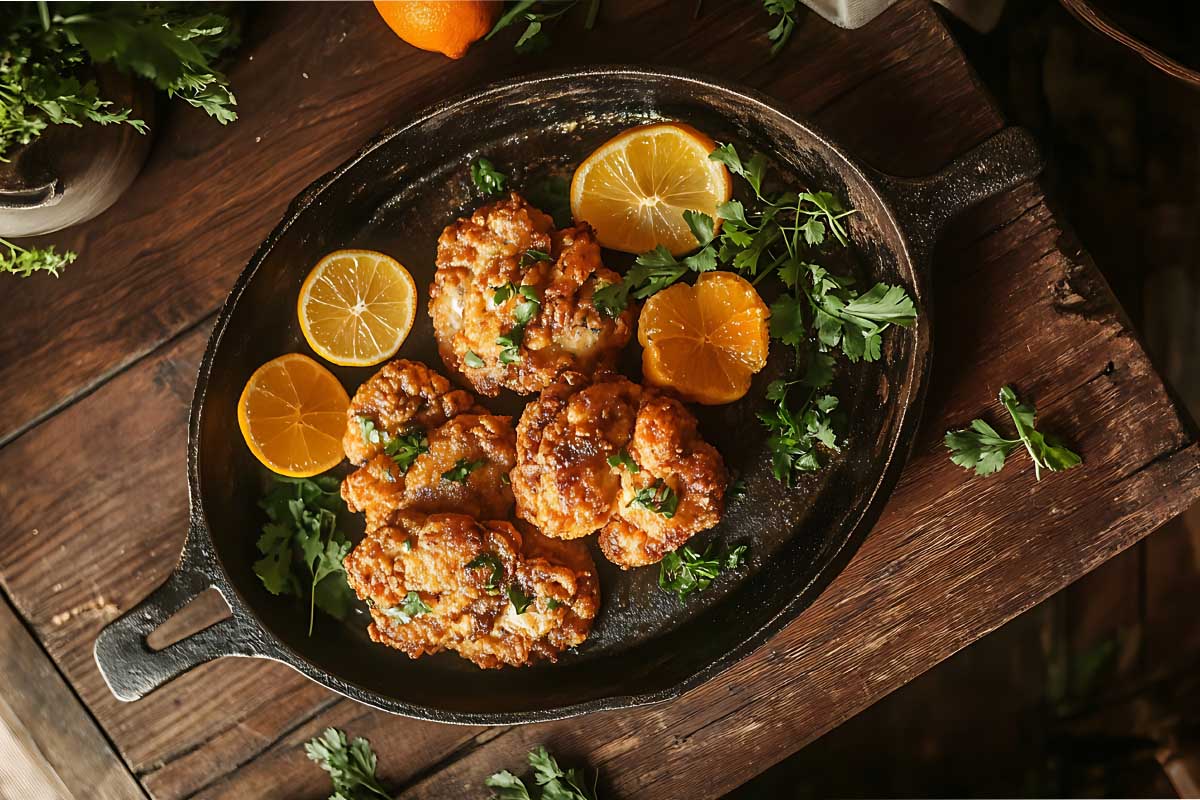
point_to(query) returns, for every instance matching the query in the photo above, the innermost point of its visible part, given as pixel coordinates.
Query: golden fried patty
(492, 593)
(512, 299)
(426, 447)
(612, 456)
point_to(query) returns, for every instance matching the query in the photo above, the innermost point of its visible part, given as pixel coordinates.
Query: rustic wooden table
(97, 370)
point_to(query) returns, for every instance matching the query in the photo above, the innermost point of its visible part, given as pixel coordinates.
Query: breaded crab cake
(425, 446)
(511, 300)
(609, 455)
(495, 594)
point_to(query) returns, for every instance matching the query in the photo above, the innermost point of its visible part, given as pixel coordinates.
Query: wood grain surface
(97, 371)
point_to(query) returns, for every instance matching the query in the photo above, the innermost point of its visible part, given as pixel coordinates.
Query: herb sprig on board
(351, 765)
(301, 548)
(982, 448)
(552, 781)
(26, 261)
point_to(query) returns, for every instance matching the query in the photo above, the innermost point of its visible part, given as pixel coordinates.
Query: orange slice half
(635, 187)
(292, 414)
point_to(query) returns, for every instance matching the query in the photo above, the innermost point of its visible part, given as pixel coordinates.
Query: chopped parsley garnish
(303, 530)
(461, 469)
(623, 459)
(659, 498)
(532, 256)
(471, 359)
(552, 604)
(981, 448)
(684, 571)
(412, 606)
(488, 180)
(490, 561)
(523, 312)
(520, 601)
(403, 449)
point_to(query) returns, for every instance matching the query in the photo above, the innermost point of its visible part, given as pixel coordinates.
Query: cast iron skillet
(395, 196)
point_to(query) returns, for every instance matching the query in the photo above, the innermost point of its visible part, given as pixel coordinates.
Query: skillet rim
(267, 645)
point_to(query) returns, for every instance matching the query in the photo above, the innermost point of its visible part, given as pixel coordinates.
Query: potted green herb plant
(77, 87)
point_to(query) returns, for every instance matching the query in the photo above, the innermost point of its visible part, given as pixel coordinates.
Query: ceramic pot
(70, 174)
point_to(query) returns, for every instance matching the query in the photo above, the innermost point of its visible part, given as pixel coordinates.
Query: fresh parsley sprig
(26, 261)
(535, 36)
(685, 571)
(656, 270)
(779, 35)
(303, 528)
(488, 561)
(462, 470)
(553, 781)
(982, 448)
(351, 765)
(797, 430)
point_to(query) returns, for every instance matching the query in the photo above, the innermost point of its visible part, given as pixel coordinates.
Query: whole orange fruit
(448, 27)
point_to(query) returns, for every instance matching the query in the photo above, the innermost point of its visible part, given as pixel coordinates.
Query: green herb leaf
(472, 360)
(610, 299)
(408, 610)
(796, 433)
(552, 604)
(701, 225)
(981, 448)
(351, 765)
(461, 469)
(520, 601)
(488, 180)
(556, 783)
(24, 262)
(405, 449)
(488, 560)
(532, 256)
(685, 571)
(779, 35)
(623, 459)
(659, 498)
(510, 786)
(303, 528)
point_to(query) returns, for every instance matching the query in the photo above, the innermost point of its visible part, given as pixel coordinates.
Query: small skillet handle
(127, 663)
(925, 205)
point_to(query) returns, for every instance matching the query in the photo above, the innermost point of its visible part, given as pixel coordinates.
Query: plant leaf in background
(536, 16)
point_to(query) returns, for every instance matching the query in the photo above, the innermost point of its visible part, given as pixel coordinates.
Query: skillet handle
(131, 669)
(1005, 161)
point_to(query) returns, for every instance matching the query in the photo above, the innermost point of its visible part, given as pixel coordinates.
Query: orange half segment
(635, 187)
(292, 414)
(705, 341)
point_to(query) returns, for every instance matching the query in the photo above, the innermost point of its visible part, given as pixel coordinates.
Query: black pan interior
(396, 197)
